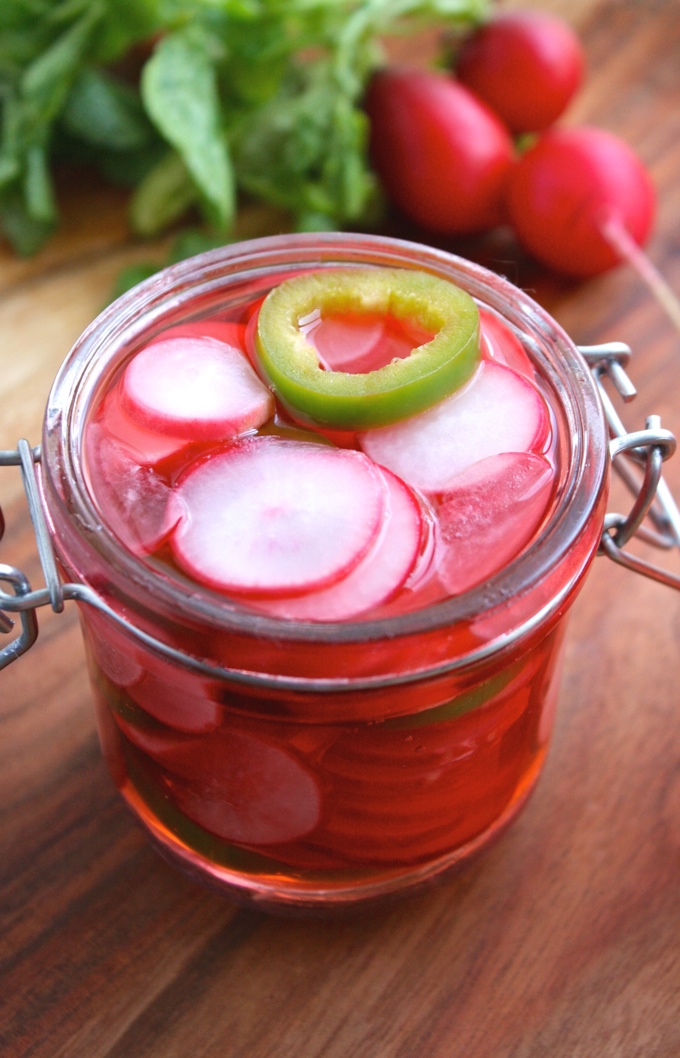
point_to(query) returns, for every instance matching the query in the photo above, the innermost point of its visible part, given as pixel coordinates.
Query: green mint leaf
(106, 112)
(38, 191)
(125, 24)
(9, 170)
(163, 196)
(25, 233)
(46, 81)
(128, 168)
(179, 91)
(307, 150)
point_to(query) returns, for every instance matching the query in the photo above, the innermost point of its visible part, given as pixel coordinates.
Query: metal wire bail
(23, 600)
(637, 458)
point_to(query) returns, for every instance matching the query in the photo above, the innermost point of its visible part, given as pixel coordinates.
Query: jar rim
(174, 293)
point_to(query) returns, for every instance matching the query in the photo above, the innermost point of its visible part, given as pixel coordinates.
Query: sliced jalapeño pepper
(352, 401)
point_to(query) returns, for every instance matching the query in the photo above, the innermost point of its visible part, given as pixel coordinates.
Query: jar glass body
(330, 763)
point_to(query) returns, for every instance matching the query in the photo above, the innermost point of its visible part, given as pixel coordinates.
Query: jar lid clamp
(645, 451)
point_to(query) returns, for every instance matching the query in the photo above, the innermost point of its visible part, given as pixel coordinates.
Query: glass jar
(320, 764)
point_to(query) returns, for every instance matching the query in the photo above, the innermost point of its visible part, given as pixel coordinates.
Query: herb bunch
(190, 102)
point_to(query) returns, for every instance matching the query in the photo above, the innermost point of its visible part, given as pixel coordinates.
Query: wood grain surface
(562, 942)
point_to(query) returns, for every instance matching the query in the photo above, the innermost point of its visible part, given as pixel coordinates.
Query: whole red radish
(571, 188)
(443, 157)
(526, 65)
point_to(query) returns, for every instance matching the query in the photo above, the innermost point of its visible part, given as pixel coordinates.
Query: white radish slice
(176, 698)
(490, 513)
(182, 704)
(241, 788)
(379, 574)
(497, 411)
(135, 503)
(500, 343)
(272, 516)
(343, 344)
(195, 388)
(361, 342)
(112, 650)
(154, 739)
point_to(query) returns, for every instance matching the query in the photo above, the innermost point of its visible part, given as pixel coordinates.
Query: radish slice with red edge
(237, 786)
(113, 652)
(275, 517)
(497, 411)
(379, 574)
(136, 504)
(147, 734)
(182, 704)
(195, 388)
(242, 788)
(489, 514)
(342, 344)
(361, 342)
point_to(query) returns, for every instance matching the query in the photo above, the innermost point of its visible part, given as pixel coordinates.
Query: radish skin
(526, 65)
(443, 156)
(565, 192)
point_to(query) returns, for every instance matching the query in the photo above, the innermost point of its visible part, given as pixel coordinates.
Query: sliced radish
(489, 514)
(183, 704)
(136, 504)
(122, 669)
(379, 574)
(151, 737)
(226, 331)
(148, 447)
(497, 411)
(113, 651)
(195, 388)
(361, 342)
(344, 343)
(501, 345)
(414, 794)
(242, 788)
(271, 516)
(169, 694)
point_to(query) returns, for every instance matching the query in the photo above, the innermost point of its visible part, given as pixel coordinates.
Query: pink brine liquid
(307, 524)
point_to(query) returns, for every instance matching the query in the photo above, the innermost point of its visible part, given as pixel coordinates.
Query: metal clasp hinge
(637, 458)
(24, 600)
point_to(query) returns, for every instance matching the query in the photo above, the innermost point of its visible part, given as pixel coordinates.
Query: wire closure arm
(23, 600)
(637, 458)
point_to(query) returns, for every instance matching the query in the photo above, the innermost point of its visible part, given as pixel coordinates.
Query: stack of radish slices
(191, 460)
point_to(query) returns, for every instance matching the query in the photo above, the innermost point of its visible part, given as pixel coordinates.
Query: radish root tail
(623, 243)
